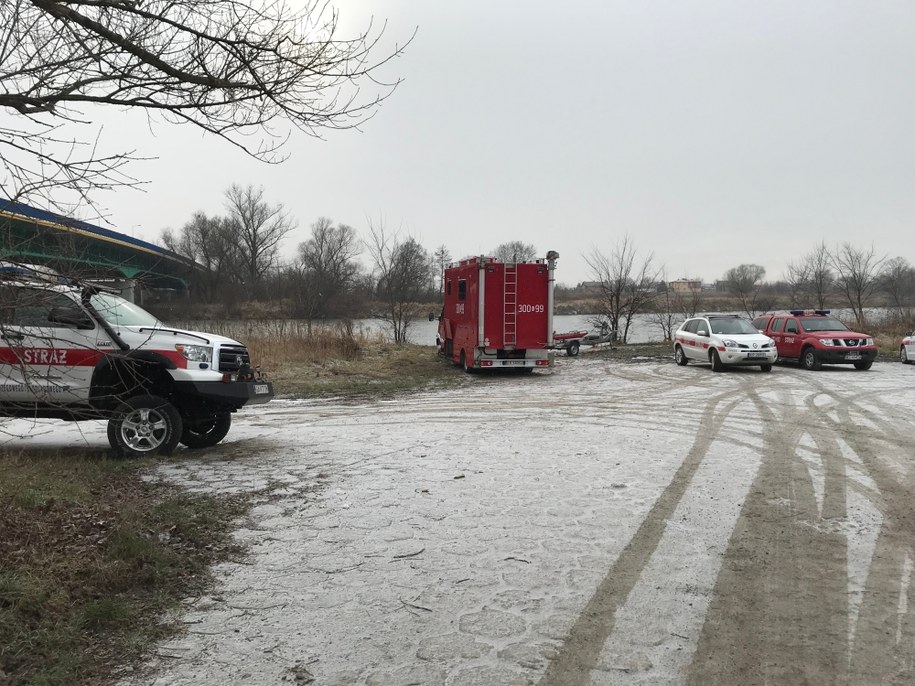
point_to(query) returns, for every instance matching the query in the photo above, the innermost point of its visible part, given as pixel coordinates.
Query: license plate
(852, 356)
(515, 363)
(756, 355)
(260, 388)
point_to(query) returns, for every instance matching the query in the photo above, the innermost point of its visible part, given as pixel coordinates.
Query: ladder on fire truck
(510, 314)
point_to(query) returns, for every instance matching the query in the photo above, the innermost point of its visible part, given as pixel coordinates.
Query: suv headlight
(729, 343)
(869, 341)
(826, 341)
(196, 353)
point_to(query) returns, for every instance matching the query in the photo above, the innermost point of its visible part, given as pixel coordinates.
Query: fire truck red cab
(498, 315)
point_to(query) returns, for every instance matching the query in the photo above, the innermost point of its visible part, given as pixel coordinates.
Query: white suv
(722, 340)
(73, 351)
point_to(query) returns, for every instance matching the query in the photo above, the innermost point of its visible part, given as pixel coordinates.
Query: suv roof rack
(719, 315)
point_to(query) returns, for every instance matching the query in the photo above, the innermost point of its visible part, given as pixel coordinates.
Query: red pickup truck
(814, 338)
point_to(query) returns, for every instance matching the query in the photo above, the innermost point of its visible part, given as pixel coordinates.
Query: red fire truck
(498, 315)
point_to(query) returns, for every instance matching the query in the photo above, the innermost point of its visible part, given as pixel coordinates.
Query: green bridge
(30, 235)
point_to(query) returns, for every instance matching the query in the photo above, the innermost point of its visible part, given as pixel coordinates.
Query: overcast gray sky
(712, 133)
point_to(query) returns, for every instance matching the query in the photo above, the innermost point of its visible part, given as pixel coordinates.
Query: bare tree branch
(248, 72)
(627, 284)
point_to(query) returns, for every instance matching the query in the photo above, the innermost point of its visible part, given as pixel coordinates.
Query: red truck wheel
(810, 359)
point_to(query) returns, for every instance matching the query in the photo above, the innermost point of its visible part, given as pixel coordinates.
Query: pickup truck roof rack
(36, 273)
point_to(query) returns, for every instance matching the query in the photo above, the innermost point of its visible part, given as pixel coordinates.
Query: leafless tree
(797, 276)
(627, 284)
(440, 259)
(673, 306)
(515, 251)
(745, 281)
(857, 271)
(208, 241)
(811, 279)
(249, 72)
(327, 265)
(897, 282)
(258, 228)
(402, 269)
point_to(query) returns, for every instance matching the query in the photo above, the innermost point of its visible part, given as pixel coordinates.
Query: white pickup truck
(74, 351)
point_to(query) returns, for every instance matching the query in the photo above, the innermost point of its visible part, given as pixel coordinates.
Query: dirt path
(603, 524)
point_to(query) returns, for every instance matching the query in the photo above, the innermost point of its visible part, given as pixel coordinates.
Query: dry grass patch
(334, 360)
(92, 556)
(378, 369)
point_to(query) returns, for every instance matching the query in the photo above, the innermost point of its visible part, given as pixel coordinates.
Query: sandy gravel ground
(603, 523)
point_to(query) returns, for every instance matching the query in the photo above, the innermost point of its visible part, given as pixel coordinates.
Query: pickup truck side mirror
(702, 332)
(909, 333)
(70, 316)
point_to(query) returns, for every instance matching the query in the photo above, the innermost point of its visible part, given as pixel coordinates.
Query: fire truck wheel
(810, 359)
(145, 425)
(572, 350)
(465, 364)
(680, 357)
(717, 366)
(205, 433)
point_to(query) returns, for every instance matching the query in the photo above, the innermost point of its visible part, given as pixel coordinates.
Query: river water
(644, 327)
(422, 331)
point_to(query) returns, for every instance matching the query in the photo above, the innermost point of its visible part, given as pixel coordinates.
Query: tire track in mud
(580, 651)
(884, 633)
(779, 608)
(786, 606)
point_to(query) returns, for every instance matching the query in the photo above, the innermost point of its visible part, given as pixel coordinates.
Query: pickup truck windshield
(822, 324)
(731, 326)
(120, 312)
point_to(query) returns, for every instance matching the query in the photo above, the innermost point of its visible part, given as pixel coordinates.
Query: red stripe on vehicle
(70, 357)
(64, 357)
(175, 356)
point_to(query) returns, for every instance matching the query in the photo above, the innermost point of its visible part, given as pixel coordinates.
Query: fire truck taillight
(486, 363)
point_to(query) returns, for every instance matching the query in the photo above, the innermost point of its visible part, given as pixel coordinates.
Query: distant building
(685, 286)
(589, 287)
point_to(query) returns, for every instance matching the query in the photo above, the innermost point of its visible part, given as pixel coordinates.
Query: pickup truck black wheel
(205, 433)
(145, 425)
(810, 359)
(680, 356)
(864, 365)
(766, 367)
(717, 365)
(572, 349)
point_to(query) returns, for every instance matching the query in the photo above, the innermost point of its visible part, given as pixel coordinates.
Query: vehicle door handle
(12, 336)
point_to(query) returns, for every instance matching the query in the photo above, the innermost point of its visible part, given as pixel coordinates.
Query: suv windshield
(120, 312)
(822, 324)
(731, 326)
